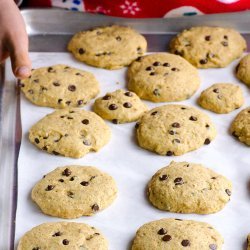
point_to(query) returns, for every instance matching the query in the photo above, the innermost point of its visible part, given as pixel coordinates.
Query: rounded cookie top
(111, 47)
(70, 132)
(174, 130)
(73, 191)
(240, 127)
(60, 86)
(209, 47)
(120, 106)
(184, 187)
(221, 98)
(63, 235)
(169, 234)
(163, 77)
(243, 69)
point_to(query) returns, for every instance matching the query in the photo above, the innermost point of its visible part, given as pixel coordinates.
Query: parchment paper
(132, 167)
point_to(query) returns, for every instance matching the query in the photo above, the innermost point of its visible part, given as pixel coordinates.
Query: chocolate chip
(79, 102)
(65, 242)
(166, 64)
(106, 97)
(113, 107)
(127, 105)
(156, 92)
(169, 153)
(152, 74)
(213, 246)
(207, 126)
(228, 192)
(183, 108)
(71, 111)
(37, 140)
(72, 178)
(84, 183)
(59, 100)
(225, 37)
(175, 69)
(193, 118)
(67, 172)
(49, 187)
(176, 141)
(139, 59)
(72, 88)
(154, 113)
(61, 180)
(68, 102)
(203, 61)
(118, 38)
(55, 153)
(115, 121)
(166, 237)
(56, 84)
(224, 43)
(81, 51)
(156, 64)
(162, 231)
(78, 74)
(163, 177)
(36, 80)
(176, 125)
(70, 194)
(213, 178)
(234, 134)
(216, 91)
(31, 91)
(85, 121)
(95, 207)
(50, 69)
(36, 248)
(171, 132)
(185, 243)
(137, 125)
(45, 148)
(177, 52)
(139, 50)
(207, 38)
(57, 234)
(207, 141)
(70, 118)
(178, 181)
(86, 142)
(129, 94)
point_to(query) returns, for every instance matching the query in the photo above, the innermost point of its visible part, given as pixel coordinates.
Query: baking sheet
(132, 167)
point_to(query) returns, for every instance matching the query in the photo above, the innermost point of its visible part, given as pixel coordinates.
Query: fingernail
(23, 71)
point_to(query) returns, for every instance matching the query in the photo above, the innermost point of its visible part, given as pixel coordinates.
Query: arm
(13, 39)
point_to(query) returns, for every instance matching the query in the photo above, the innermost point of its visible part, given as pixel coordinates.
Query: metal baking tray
(50, 31)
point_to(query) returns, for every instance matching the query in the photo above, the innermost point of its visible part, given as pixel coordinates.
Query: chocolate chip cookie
(63, 235)
(243, 70)
(120, 106)
(184, 187)
(60, 86)
(111, 47)
(174, 130)
(70, 132)
(73, 191)
(240, 127)
(209, 47)
(176, 234)
(163, 77)
(221, 98)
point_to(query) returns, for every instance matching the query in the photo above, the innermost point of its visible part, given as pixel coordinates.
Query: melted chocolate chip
(166, 64)
(169, 153)
(154, 113)
(185, 243)
(127, 105)
(163, 177)
(203, 61)
(216, 91)
(86, 142)
(166, 237)
(118, 38)
(207, 141)
(207, 38)
(177, 52)
(67, 172)
(79, 102)
(235, 135)
(149, 68)
(156, 64)
(113, 107)
(95, 207)
(59, 100)
(55, 153)
(81, 51)
(85, 121)
(139, 59)
(84, 183)
(228, 192)
(65, 242)
(176, 125)
(61, 180)
(213, 246)
(57, 234)
(207, 126)
(224, 43)
(68, 102)
(56, 84)
(176, 141)
(225, 37)
(70, 194)
(72, 88)
(193, 118)
(45, 148)
(31, 91)
(152, 74)
(36, 80)
(37, 140)
(106, 97)
(156, 92)
(175, 69)
(36, 248)
(162, 231)
(50, 69)
(178, 181)
(139, 50)
(129, 94)
(115, 121)
(137, 125)
(171, 132)
(49, 188)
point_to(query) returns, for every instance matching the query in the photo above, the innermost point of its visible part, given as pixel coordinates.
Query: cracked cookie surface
(163, 77)
(184, 187)
(120, 106)
(70, 132)
(176, 234)
(209, 47)
(174, 130)
(111, 47)
(60, 86)
(63, 235)
(73, 191)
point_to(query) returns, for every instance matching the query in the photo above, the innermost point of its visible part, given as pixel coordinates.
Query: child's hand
(14, 39)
